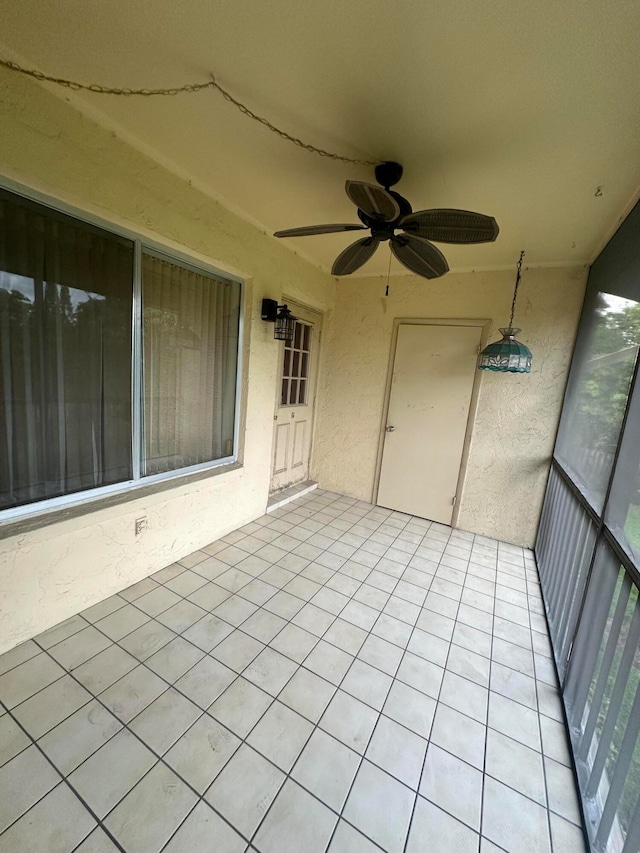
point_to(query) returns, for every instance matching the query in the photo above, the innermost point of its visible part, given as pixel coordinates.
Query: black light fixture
(283, 319)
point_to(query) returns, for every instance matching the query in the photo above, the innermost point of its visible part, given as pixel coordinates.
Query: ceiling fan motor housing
(382, 229)
(388, 173)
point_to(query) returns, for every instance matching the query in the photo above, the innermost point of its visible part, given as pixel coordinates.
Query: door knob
(390, 429)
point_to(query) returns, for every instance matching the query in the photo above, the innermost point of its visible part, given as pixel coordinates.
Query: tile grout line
(231, 593)
(542, 754)
(236, 627)
(126, 726)
(486, 740)
(424, 761)
(317, 726)
(335, 616)
(237, 675)
(369, 632)
(300, 665)
(160, 758)
(65, 781)
(380, 714)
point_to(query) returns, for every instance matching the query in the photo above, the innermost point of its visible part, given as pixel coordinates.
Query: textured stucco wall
(517, 415)
(47, 575)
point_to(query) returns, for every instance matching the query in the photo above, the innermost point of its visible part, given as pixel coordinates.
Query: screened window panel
(623, 507)
(65, 354)
(190, 330)
(597, 392)
(590, 586)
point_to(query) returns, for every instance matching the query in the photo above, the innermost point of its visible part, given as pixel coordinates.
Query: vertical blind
(190, 362)
(65, 354)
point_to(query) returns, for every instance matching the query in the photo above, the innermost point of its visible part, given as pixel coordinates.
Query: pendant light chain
(515, 292)
(99, 89)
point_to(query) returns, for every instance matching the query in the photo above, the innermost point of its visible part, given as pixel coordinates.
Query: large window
(107, 375)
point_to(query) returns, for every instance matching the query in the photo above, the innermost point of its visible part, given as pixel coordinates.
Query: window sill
(34, 519)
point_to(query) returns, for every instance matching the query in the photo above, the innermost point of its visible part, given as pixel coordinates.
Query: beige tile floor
(331, 677)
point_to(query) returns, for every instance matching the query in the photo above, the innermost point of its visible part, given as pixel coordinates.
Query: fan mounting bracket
(388, 173)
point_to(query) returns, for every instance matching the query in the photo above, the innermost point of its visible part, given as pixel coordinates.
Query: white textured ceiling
(519, 110)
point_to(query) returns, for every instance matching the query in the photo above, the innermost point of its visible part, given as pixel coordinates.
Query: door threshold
(285, 496)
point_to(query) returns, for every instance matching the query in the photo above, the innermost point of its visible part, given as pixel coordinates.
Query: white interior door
(432, 382)
(295, 398)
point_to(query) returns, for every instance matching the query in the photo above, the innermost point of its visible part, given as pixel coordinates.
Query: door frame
(485, 328)
(294, 303)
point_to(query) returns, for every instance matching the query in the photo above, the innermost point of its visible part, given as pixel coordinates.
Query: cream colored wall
(517, 415)
(48, 575)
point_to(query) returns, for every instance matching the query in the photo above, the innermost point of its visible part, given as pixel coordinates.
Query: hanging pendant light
(507, 355)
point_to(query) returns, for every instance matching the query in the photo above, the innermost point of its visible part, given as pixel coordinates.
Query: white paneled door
(295, 398)
(432, 383)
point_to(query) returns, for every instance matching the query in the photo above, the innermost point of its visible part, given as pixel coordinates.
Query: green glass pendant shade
(507, 355)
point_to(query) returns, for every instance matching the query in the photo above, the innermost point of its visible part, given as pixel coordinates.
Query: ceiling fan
(384, 212)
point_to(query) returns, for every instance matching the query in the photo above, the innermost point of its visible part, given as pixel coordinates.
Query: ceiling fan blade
(448, 225)
(318, 229)
(354, 256)
(419, 255)
(373, 200)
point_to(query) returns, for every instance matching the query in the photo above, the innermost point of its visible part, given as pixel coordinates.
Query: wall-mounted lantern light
(285, 322)
(507, 355)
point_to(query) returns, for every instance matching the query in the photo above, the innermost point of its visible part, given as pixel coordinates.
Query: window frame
(138, 481)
